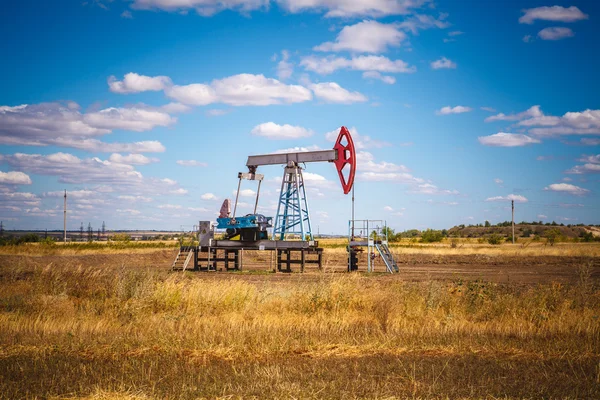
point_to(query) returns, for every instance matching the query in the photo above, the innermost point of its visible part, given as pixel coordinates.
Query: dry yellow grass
(471, 246)
(96, 334)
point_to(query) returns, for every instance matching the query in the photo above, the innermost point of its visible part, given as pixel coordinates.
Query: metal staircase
(185, 255)
(387, 257)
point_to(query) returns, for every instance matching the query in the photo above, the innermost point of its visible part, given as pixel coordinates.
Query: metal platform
(228, 255)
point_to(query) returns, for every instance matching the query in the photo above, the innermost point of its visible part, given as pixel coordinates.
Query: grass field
(132, 332)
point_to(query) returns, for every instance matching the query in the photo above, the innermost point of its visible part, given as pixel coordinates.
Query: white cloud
(72, 194)
(400, 177)
(511, 197)
(245, 193)
(329, 64)
(355, 8)
(453, 110)
(555, 13)
(360, 141)
(14, 178)
(131, 159)
(63, 125)
(205, 8)
(191, 163)
(168, 181)
(584, 169)
(488, 109)
(209, 196)
(555, 33)
(331, 92)
(97, 146)
(169, 206)
(498, 181)
(198, 209)
(298, 149)
(421, 21)
(567, 188)
(365, 163)
(542, 216)
(135, 83)
(443, 63)
(71, 169)
(571, 123)
(531, 112)
(129, 211)
(590, 159)
(365, 37)
(174, 108)
(527, 38)
(136, 199)
(272, 130)
(240, 90)
(390, 80)
(388, 208)
(590, 141)
(428, 188)
(126, 14)
(179, 192)
(502, 139)
(132, 119)
(285, 69)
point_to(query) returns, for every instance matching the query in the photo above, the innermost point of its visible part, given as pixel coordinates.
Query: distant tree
(387, 231)
(487, 224)
(431, 236)
(552, 236)
(495, 239)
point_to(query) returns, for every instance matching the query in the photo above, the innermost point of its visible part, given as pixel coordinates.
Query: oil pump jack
(293, 215)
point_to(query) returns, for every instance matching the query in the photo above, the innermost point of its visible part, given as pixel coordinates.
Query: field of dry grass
(132, 332)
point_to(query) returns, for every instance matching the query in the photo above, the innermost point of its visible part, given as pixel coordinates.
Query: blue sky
(145, 110)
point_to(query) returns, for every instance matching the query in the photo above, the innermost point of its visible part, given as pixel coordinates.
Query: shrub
(431, 236)
(552, 236)
(495, 239)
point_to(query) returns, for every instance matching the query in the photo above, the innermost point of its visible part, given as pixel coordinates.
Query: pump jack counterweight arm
(297, 158)
(343, 155)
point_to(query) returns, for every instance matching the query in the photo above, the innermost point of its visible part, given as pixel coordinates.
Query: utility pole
(65, 220)
(512, 202)
(81, 233)
(1, 228)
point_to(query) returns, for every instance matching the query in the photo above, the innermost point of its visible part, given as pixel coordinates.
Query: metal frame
(293, 215)
(363, 239)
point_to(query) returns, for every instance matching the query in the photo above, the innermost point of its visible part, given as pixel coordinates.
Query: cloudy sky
(145, 110)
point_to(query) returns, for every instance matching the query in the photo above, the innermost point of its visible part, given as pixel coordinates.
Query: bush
(431, 236)
(495, 239)
(552, 236)
(121, 237)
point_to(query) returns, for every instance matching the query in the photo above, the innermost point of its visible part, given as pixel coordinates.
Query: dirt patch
(413, 267)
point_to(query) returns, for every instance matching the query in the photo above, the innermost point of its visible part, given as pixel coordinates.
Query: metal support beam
(294, 158)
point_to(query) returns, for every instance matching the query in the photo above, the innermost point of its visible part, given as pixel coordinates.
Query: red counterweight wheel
(346, 156)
